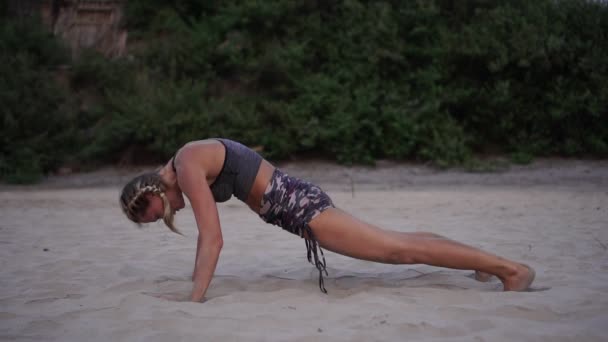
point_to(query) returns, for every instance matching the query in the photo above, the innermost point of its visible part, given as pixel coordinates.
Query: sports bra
(241, 165)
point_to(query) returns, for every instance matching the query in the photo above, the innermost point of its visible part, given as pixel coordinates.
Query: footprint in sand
(52, 299)
(171, 296)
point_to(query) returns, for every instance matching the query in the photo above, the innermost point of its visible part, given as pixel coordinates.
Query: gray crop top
(241, 165)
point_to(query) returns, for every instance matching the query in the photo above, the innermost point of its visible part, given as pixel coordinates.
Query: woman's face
(156, 209)
(176, 198)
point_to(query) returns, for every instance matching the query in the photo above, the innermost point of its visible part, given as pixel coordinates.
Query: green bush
(351, 80)
(357, 81)
(530, 77)
(39, 123)
(332, 78)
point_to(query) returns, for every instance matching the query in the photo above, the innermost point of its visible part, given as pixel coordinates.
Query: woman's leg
(479, 275)
(340, 232)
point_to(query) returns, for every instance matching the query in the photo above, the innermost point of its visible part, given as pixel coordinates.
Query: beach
(75, 269)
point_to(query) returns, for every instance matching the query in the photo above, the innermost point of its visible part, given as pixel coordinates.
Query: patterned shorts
(292, 203)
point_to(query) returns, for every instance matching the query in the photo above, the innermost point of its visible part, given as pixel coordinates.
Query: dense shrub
(38, 120)
(337, 79)
(351, 80)
(530, 76)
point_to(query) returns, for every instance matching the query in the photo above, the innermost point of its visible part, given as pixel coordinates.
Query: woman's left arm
(193, 183)
(198, 247)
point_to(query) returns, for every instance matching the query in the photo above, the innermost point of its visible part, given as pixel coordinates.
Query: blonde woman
(211, 171)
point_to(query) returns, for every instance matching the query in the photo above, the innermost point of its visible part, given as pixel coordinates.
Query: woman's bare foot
(520, 280)
(482, 276)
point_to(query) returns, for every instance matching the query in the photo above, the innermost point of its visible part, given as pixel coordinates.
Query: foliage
(350, 80)
(38, 123)
(529, 76)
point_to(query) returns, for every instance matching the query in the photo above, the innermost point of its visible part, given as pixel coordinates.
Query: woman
(211, 171)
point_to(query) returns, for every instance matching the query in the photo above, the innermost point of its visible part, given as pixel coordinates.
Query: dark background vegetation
(354, 81)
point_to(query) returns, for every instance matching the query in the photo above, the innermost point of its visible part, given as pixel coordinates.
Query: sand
(74, 269)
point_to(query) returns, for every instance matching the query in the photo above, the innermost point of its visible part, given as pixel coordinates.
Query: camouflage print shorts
(292, 203)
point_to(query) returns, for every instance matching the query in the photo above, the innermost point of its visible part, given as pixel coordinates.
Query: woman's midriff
(254, 199)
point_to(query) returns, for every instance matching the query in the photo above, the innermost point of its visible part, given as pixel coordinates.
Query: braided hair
(134, 203)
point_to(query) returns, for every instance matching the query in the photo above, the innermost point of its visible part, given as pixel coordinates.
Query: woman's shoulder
(198, 146)
(203, 153)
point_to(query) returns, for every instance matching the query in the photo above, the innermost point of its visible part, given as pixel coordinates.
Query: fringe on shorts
(291, 204)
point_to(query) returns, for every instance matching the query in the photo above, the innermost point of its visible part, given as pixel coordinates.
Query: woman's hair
(134, 202)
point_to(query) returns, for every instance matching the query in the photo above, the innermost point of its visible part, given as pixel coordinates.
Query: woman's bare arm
(198, 247)
(193, 183)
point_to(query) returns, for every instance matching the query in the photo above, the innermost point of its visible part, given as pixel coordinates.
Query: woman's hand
(205, 267)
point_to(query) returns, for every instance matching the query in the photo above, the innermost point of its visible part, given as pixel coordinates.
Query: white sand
(73, 268)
